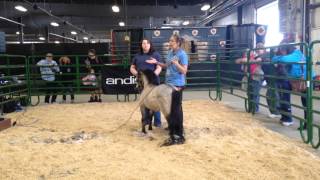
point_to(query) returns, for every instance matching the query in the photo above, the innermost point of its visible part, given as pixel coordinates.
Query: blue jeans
(285, 106)
(157, 118)
(255, 87)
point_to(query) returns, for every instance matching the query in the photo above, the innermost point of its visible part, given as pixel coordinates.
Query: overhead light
(85, 38)
(121, 23)
(73, 32)
(54, 24)
(166, 27)
(42, 38)
(185, 23)
(205, 7)
(20, 8)
(57, 42)
(17, 32)
(115, 8)
(93, 41)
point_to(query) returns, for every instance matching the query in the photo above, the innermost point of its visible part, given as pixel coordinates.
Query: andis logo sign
(121, 81)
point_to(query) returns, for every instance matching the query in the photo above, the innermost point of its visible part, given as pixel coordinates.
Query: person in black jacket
(92, 62)
(67, 77)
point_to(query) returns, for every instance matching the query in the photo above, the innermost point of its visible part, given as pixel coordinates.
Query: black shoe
(174, 140)
(91, 100)
(96, 99)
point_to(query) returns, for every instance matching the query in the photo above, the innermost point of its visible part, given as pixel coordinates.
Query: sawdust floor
(79, 141)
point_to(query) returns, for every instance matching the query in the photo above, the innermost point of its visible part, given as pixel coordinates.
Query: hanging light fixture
(185, 23)
(121, 23)
(115, 8)
(205, 7)
(54, 24)
(20, 8)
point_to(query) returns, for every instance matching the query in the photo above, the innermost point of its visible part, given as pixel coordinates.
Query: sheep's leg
(145, 119)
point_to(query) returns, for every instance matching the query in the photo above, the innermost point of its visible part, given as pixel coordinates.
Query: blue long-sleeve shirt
(48, 69)
(295, 70)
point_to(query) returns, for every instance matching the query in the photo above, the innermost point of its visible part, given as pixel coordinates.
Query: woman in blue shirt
(293, 70)
(139, 64)
(176, 64)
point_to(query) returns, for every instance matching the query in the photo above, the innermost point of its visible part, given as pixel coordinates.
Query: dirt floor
(87, 141)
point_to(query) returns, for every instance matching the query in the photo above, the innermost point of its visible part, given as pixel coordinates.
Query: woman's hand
(175, 62)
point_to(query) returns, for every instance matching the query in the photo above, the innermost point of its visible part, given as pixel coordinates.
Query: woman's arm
(158, 69)
(133, 70)
(181, 68)
(154, 61)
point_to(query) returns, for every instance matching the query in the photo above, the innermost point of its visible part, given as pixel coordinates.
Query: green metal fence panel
(13, 80)
(313, 125)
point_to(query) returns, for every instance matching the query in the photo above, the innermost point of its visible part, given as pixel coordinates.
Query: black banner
(118, 80)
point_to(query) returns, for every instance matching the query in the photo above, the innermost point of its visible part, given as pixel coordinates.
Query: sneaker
(274, 116)
(287, 123)
(157, 125)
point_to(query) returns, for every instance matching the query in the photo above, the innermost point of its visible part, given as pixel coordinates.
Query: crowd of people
(281, 72)
(60, 78)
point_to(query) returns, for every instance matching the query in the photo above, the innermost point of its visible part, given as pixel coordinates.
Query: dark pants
(285, 105)
(176, 115)
(304, 104)
(50, 90)
(255, 87)
(273, 98)
(67, 90)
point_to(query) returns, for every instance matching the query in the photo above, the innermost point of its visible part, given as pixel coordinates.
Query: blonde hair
(183, 44)
(64, 60)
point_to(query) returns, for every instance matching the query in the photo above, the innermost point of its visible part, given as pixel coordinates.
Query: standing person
(67, 76)
(48, 68)
(256, 78)
(139, 64)
(177, 67)
(289, 54)
(92, 62)
(272, 94)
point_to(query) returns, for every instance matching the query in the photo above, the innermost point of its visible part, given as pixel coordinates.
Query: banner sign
(118, 80)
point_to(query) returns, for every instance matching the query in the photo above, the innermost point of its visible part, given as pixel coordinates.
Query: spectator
(48, 68)
(92, 62)
(67, 77)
